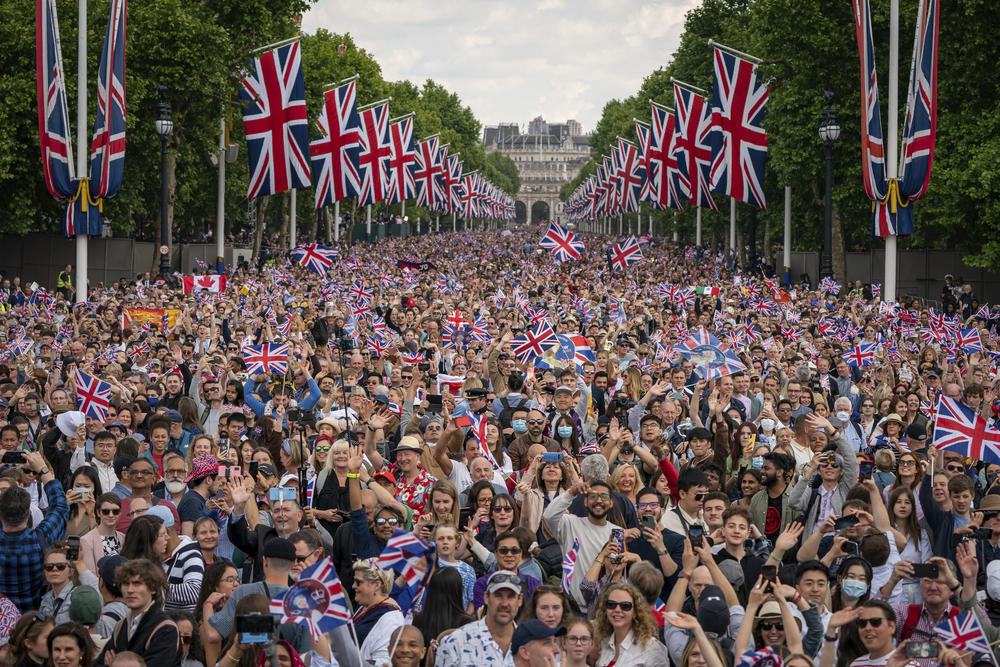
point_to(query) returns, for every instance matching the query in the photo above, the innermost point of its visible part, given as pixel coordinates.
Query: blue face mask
(519, 425)
(565, 431)
(853, 589)
(757, 462)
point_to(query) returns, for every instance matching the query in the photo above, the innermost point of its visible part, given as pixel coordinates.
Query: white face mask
(767, 424)
(844, 416)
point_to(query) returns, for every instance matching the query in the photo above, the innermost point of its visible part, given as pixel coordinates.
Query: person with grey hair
(595, 468)
(837, 473)
(843, 408)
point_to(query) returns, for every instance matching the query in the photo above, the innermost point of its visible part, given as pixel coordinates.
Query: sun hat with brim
(332, 422)
(409, 444)
(769, 609)
(893, 417)
(990, 503)
(201, 467)
(68, 422)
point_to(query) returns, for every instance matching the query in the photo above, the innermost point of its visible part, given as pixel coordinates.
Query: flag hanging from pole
(53, 111)
(428, 169)
(107, 151)
(693, 131)
(275, 122)
(739, 144)
(335, 153)
(664, 160)
(373, 159)
(400, 184)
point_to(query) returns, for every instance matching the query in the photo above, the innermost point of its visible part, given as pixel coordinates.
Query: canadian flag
(210, 283)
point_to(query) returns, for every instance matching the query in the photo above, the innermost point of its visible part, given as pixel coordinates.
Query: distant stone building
(547, 155)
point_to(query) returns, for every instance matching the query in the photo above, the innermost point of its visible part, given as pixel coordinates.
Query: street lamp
(164, 128)
(829, 130)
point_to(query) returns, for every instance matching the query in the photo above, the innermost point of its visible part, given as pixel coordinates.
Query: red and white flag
(210, 283)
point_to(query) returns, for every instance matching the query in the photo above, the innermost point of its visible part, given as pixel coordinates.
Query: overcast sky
(513, 60)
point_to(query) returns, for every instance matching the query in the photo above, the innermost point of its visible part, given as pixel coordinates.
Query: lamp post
(164, 128)
(829, 130)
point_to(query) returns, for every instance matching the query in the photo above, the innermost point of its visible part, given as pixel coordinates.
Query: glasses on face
(536, 422)
(138, 512)
(503, 508)
(231, 579)
(874, 622)
(830, 464)
(140, 473)
(105, 445)
(648, 506)
(381, 521)
(323, 448)
(406, 377)
(110, 511)
(51, 567)
(767, 626)
(867, 405)
(509, 551)
(598, 496)
(785, 409)
(955, 468)
(699, 497)
(302, 559)
(627, 605)
(581, 639)
(907, 464)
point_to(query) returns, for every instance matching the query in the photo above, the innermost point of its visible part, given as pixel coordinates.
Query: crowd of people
(613, 501)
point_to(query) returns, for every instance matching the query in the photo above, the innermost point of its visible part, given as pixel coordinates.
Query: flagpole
(688, 86)
(336, 221)
(368, 223)
(81, 144)
(291, 219)
(892, 143)
(220, 202)
(787, 252)
(437, 223)
(697, 226)
(453, 223)
(277, 44)
(732, 226)
(732, 51)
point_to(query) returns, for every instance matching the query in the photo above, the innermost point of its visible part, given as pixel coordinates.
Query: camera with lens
(620, 404)
(760, 547)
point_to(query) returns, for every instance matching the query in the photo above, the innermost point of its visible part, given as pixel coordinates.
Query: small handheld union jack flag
(316, 600)
(712, 358)
(92, 396)
(862, 355)
(624, 254)
(561, 242)
(534, 343)
(957, 428)
(964, 632)
(569, 565)
(266, 358)
(315, 257)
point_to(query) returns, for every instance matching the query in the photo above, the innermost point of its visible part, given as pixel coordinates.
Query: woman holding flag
(377, 615)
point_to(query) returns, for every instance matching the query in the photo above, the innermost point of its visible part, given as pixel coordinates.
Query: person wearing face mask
(850, 429)
(518, 449)
(516, 426)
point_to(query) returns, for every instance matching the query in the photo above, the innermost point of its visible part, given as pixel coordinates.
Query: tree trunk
(839, 256)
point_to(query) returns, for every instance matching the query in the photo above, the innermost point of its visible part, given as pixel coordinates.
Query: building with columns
(547, 155)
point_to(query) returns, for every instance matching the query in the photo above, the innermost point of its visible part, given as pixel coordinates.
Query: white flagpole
(81, 142)
(220, 202)
(336, 221)
(291, 219)
(368, 224)
(892, 143)
(453, 223)
(787, 252)
(697, 226)
(732, 226)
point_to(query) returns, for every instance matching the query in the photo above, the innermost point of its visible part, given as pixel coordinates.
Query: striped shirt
(185, 569)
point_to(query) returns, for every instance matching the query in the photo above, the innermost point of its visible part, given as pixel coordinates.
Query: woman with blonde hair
(377, 615)
(625, 631)
(626, 481)
(331, 502)
(632, 383)
(291, 455)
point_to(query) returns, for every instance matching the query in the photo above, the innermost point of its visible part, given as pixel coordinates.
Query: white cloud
(515, 60)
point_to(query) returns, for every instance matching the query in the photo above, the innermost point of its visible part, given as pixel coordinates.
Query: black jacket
(251, 542)
(156, 640)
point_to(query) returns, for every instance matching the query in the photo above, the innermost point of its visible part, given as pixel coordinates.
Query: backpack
(508, 411)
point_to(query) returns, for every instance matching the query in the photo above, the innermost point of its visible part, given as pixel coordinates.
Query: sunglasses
(536, 421)
(49, 567)
(624, 606)
(699, 497)
(381, 521)
(323, 448)
(647, 506)
(110, 511)
(767, 626)
(874, 622)
(509, 551)
(955, 468)
(503, 508)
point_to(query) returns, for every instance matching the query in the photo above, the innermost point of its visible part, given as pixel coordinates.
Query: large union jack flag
(739, 146)
(402, 162)
(92, 396)
(693, 131)
(315, 257)
(872, 145)
(561, 242)
(534, 343)
(633, 175)
(453, 183)
(964, 632)
(275, 122)
(107, 151)
(373, 160)
(645, 137)
(957, 428)
(921, 106)
(429, 167)
(335, 153)
(53, 112)
(663, 159)
(623, 254)
(266, 358)
(470, 207)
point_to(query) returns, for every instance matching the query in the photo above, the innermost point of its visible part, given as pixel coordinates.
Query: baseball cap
(85, 605)
(201, 467)
(122, 464)
(386, 475)
(267, 470)
(531, 630)
(279, 548)
(163, 513)
(503, 579)
(563, 389)
(713, 614)
(173, 416)
(106, 568)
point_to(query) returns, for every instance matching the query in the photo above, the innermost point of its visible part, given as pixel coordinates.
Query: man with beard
(203, 483)
(287, 517)
(175, 470)
(769, 506)
(838, 473)
(592, 531)
(519, 448)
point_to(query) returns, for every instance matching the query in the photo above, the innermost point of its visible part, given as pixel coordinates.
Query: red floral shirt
(412, 493)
